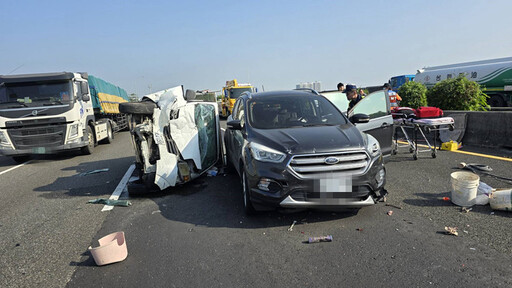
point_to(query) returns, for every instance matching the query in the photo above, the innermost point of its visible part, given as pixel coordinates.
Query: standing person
(352, 96)
(394, 98)
(341, 87)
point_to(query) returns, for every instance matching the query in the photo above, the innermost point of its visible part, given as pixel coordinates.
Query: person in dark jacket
(352, 96)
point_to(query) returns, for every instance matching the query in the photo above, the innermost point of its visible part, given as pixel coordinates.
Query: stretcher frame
(419, 127)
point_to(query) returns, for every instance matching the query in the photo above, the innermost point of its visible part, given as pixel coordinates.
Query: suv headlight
(372, 146)
(266, 154)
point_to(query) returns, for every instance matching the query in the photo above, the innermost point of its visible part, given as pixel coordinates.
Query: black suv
(295, 149)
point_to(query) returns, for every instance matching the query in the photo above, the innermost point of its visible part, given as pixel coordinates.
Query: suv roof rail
(309, 90)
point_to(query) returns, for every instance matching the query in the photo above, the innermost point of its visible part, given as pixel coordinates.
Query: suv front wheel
(248, 208)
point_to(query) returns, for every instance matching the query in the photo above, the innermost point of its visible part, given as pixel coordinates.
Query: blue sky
(143, 45)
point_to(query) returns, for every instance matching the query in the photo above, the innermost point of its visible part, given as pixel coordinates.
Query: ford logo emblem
(331, 160)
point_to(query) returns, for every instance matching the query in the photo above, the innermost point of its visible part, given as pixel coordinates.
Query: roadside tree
(413, 94)
(457, 94)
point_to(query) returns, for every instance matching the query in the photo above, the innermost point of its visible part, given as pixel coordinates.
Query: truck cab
(48, 113)
(397, 81)
(230, 93)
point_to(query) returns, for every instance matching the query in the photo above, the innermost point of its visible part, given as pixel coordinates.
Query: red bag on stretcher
(428, 112)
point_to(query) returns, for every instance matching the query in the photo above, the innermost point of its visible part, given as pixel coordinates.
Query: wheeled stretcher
(420, 126)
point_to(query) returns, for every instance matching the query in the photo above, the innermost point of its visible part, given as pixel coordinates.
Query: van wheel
(110, 134)
(142, 108)
(248, 208)
(87, 150)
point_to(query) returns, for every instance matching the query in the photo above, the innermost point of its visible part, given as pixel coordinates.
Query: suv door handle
(385, 125)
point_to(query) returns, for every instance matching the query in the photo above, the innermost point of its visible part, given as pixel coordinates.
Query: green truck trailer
(494, 76)
(53, 112)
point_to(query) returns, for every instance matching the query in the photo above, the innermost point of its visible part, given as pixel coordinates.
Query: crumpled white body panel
(183, 131)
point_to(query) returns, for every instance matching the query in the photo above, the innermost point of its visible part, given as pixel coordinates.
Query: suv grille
(352, 162)
(31, 137)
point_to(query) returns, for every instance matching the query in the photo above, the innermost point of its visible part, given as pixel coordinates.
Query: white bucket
(501, 200)
(464, 188)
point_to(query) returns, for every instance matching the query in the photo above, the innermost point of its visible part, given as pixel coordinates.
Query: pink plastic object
(112, 249)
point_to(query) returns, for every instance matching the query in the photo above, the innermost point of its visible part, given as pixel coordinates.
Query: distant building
(317, 85)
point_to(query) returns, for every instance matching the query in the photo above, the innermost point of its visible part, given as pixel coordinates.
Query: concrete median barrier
(491, 129)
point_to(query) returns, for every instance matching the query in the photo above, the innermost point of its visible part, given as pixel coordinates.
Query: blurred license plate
(334, 184)
(39, 150)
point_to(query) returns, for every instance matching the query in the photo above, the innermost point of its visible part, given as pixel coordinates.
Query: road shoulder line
(120, 187)
(17, 166)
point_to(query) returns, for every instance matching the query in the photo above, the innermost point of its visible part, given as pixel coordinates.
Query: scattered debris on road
(291, 226)
(501, 200)
(483, 169)
(112, 249)
(451, 231)
(395, 206)
(446, 199)
(212, 172)
(466, 210)
(327, 238)
(111, 202)
(359, 229)
(94, 171)
(157, 211)
(390, 212)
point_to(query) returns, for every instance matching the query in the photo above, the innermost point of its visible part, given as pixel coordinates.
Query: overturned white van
(175, 137)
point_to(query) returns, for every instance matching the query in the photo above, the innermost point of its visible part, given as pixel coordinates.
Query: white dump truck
(494, 76)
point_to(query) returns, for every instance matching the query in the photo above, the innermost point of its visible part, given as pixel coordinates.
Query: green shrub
(413, 94)
(457, 94)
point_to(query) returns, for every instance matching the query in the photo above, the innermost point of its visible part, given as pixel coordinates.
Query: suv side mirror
(86, 97)
(234, 124)
(190, 95)
(359, 118)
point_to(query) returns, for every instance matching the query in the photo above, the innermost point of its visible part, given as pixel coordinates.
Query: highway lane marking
(466, 152)
(17, 166)
(120, 188)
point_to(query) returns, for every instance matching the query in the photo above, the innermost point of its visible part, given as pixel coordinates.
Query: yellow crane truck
(230, 93)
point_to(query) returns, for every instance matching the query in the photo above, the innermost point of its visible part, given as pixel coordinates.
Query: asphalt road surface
(197, 235)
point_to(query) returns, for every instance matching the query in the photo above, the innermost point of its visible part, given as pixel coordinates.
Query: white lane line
(17, 166)
(120, 187)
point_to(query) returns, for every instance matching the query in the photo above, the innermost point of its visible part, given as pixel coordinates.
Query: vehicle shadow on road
(90, 185)
(8, 161)
(217, 202)
(430, 199)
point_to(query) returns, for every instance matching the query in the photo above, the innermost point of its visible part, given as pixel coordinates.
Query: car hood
(317, 139)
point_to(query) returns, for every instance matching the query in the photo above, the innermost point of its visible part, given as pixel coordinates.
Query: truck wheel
(142, 108)
(497, 101)
(110, 134)
(87, 150)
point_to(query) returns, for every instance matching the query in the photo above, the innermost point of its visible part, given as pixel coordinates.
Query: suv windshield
(287, 111)
(35, 94)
